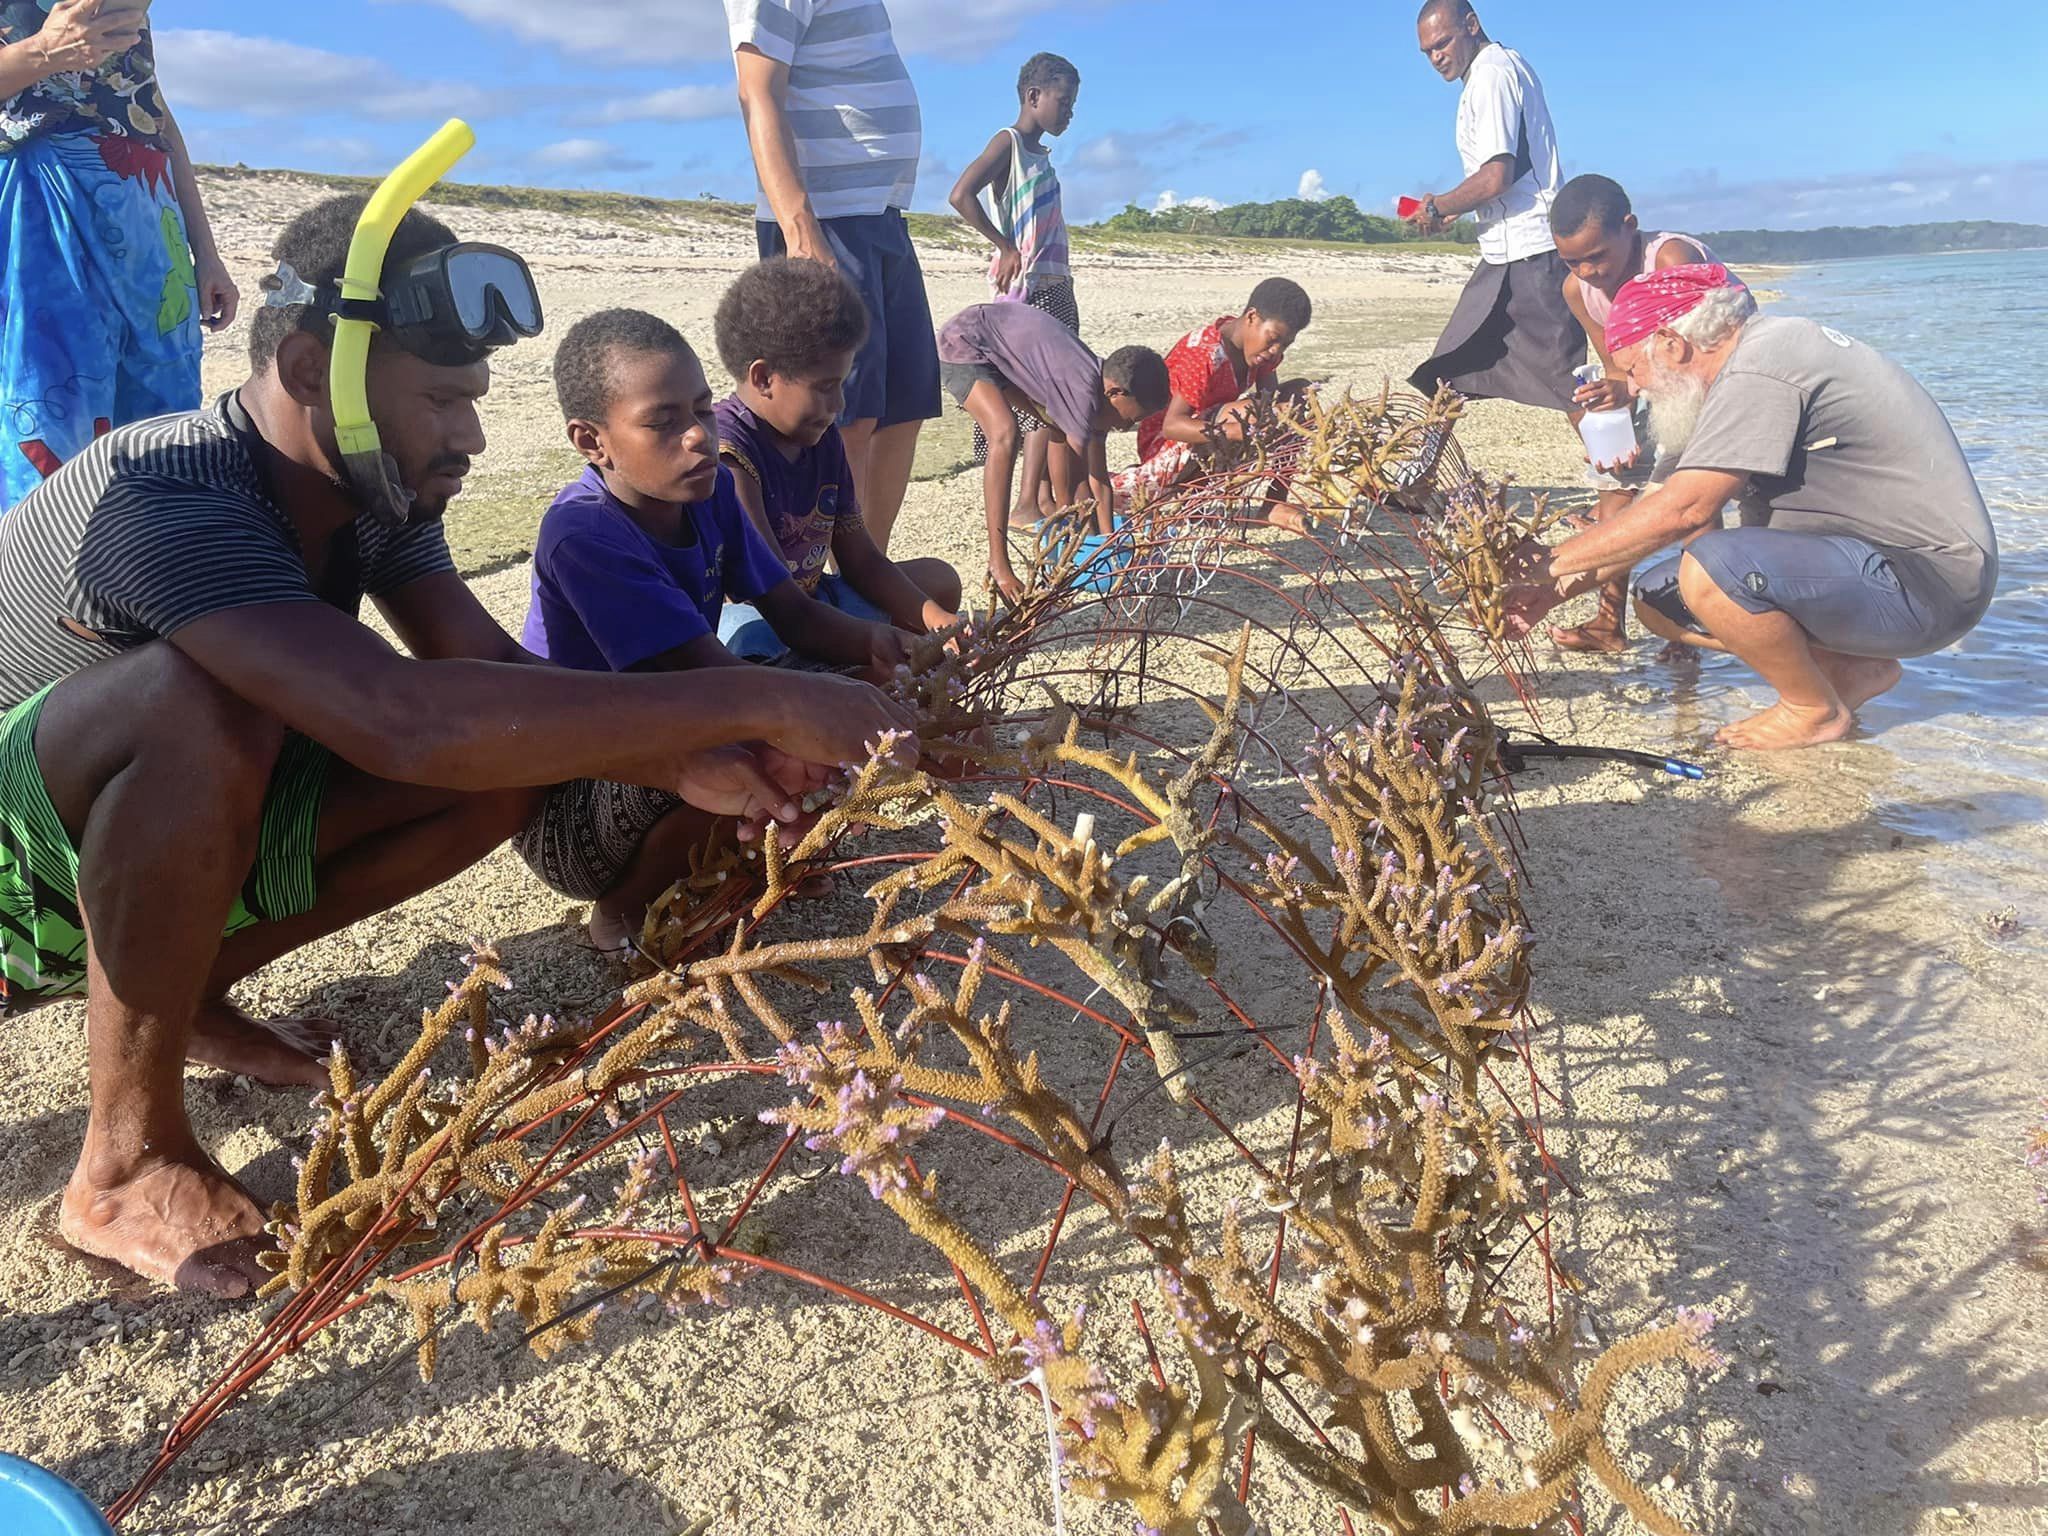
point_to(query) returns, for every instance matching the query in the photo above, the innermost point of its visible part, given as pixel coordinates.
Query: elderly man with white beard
(1863, 538)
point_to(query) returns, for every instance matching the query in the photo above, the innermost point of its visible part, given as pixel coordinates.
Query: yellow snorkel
(371, 473)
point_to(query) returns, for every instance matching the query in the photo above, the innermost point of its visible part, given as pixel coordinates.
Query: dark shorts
(1845, 593)
(1512, 337)
(42, 936)
(895, 376)
(743, 631)
(587, 832)
(960, 379)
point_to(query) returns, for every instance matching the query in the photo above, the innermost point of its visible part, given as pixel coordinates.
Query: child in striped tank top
(1011, 195)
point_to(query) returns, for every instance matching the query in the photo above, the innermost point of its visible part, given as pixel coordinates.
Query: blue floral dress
(99, 308)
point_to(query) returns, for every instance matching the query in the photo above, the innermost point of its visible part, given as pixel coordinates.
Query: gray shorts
(587, 833)
(1845, 593)
(960, 378)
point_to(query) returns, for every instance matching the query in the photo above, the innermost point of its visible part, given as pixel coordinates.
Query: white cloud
(677, 31)
(265, 77)
(586, 157)
(1169, 200)
(1312, 188)
(679, 104)
(1102, 175)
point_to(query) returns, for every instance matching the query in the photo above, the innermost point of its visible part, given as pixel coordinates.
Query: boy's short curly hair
(1046, 72)
(1285, 300)
(1141, 372)
(316, 245)
(794, 315)
(585, 361)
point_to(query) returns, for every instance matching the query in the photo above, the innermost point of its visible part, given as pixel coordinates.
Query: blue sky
(1791, 113)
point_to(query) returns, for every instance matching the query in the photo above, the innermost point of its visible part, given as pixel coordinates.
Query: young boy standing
(1219, 372)
(630, 573)
(999, 358)
(1010, 194)
(1599, 238)
(788, 331)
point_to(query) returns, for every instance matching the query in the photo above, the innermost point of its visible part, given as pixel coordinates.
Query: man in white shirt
(833, 121)
(1512, 336)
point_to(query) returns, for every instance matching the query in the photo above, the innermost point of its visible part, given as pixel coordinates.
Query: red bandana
(1647, 304)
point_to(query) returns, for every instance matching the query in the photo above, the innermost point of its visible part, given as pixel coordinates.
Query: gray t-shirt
(1044, 360)
(158, 525)
(1836, 438)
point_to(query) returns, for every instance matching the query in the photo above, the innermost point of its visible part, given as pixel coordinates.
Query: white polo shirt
(1503, 113)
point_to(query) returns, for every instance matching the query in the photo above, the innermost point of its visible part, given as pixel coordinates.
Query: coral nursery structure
(1200, 761)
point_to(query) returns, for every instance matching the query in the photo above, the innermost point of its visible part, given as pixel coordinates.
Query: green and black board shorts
(42, 937)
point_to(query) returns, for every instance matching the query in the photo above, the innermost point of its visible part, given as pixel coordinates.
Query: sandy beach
(1799, 1067)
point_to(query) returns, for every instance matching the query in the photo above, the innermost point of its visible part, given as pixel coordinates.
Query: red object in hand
(1408, 207)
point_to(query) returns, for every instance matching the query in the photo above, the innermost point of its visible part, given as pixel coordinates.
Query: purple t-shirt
(1041, 357)
(808, 499)
(607, 596)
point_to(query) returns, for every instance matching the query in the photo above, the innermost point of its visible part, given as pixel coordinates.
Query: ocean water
(1958, 754)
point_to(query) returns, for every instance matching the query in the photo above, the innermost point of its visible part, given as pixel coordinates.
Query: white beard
(1676, 401)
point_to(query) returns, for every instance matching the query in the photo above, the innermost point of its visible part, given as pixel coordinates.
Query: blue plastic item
(34, 1502)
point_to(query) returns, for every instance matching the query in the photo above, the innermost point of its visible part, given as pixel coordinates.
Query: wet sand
(1799, 1064)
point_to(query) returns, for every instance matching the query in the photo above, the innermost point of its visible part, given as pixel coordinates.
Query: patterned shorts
(587, 833)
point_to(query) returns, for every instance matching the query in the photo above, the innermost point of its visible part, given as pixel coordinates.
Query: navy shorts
(895, 376)
(750, 637)
(1845, 593)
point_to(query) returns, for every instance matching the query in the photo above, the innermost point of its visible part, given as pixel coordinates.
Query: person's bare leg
(378, 844)
(1608, 630)
(859, 437)
(992, 412)
(662, 859)
(1809, 712)
(1676, 638)
(119, 745)
(1034, 496)
(1858, 679)
(936, 579)
(885, 478)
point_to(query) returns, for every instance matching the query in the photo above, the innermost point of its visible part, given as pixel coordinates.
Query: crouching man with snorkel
(207, 760)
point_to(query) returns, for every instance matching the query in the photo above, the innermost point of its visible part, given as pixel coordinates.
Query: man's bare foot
(611, 935)
(1287, 519)
(1859, 679)
(1596, 637)
(1785, 727)
(285, 1053)
(181, 1222)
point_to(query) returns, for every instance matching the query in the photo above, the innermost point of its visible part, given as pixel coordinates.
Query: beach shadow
(1800, 1107)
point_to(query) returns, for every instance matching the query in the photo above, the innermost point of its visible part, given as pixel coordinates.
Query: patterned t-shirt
(808, 499)
(1202, 374)
(120, 98)
(156, 526)
(851, 104)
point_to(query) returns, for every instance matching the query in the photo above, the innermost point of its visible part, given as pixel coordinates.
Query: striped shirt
(1025, 205)
(156, 526)
(851, 105)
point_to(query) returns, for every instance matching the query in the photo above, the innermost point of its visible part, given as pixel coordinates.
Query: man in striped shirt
(833, 121)
(207, 760)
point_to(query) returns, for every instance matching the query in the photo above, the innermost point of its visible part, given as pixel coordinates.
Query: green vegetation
(1787, 247)
(1335, 219)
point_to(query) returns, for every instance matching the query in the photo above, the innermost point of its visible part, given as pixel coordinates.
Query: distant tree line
(1340, 219)
(1786, 246)
(1292, 218)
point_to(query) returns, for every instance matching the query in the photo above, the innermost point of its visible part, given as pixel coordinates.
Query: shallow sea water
(1956, 758)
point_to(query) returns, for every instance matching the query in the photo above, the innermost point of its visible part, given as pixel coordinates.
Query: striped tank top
(1599, 306)
(1026, 207)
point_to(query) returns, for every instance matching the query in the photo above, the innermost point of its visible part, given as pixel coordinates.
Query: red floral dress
(1202, 374)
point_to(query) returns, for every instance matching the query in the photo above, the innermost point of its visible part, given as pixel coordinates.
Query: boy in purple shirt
(788, 331)
(997, 359)
(630, 574)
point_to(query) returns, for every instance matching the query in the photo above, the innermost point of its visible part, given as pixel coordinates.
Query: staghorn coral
(1394, 1347)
